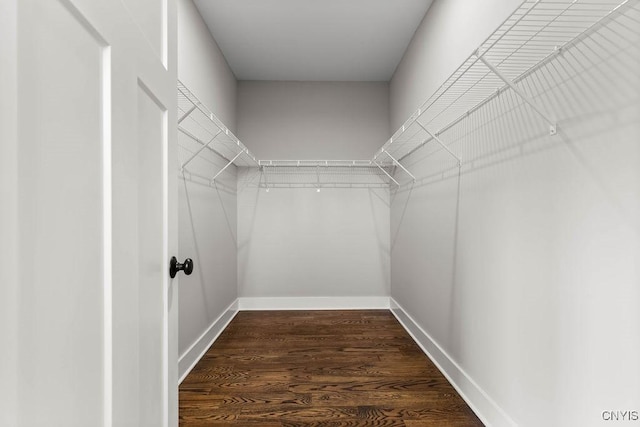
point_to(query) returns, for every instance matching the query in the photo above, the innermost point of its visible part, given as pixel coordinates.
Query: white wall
(202, 67)
(450, 31)
(207, 234)
(524, 268)
(207, 216)
(313, 120)
(301, 243)
(297, 242)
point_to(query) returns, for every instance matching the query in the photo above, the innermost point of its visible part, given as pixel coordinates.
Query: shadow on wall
(382, 197)
(198, 232)
(248, 178)
(198, 253)
(207, 234)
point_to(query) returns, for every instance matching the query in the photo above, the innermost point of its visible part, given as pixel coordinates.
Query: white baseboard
(313, 303)
(192, 356)
(480, 402)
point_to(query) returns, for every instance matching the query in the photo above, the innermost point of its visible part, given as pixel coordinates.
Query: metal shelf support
(201, 142)
(551, 120)
(397, 163)
(228, 164)
(186, 114)
(386, 173)
(194, 155)
(439, 141)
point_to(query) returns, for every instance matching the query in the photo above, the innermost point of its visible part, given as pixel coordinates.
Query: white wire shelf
(324, 174)
(536, 34)
(199, 124)
(317, 163)
(532, 36)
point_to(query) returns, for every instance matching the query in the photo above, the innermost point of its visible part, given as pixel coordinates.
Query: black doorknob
(175, 266)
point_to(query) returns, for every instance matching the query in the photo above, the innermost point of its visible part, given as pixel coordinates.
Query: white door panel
(60, 124)
(150, 17)
(95, 223)
(151, 139)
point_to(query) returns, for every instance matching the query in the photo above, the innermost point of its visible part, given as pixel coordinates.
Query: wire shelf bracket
(439, 141)
(526, 98)
(197, 153)
(397, 163)
(189, 111)
(201, 142)
(386, 173)
(228, 164)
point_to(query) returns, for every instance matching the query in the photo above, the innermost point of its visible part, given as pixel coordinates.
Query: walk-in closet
(320, 213)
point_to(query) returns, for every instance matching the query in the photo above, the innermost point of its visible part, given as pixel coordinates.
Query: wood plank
(319, 368)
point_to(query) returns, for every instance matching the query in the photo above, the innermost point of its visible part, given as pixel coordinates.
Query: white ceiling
(313, 40)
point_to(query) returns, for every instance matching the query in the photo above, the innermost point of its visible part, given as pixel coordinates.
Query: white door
(89, 193)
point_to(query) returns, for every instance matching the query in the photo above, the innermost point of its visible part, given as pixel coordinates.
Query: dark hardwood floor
(318, 368)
